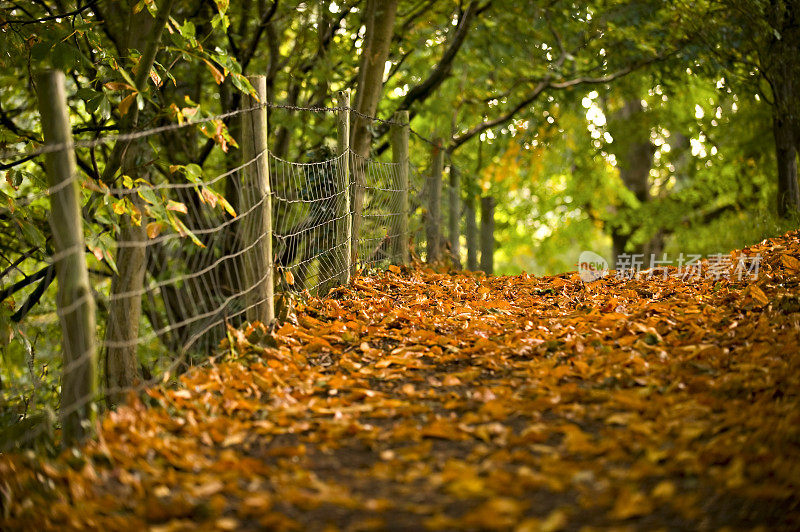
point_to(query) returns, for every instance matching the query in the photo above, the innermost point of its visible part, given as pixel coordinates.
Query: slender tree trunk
(618, 242)
(782, 70)
(380, 15)
(680, 153)
(786, 154)
(125, 310)
(635, 156)
(75, 304)
(454, 217)
(487, 234)
(433, 220)
(471, 232)
(473, 243)
(284, 135)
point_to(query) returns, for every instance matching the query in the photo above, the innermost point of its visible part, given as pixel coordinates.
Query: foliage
(103, 99)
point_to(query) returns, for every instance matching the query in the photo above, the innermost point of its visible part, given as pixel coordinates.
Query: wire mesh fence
(309, 215)
(170, 253)
(381, 234)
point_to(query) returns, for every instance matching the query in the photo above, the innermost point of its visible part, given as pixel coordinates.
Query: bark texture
(487, 234)
(380, 16)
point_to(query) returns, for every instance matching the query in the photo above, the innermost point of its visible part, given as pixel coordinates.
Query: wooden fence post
(256, 200)
(471, 231)
(359, 169)
(433, 224)
(74, 300)
(399, 138)
(487, 234)
(344, 227)
(454, 216)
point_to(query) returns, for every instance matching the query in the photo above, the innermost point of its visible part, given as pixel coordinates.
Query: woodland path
(414, 399)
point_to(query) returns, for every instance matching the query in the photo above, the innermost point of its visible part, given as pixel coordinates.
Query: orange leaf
(154, 229)
(790, 262)
(758, 294)
(219, 77)
(119, 86)
(125, 104)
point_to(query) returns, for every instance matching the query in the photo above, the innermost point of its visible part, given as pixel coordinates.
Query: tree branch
(22, 283)
(262, 25)
(49, 276)
(458, 140)
(8, 166)
(440, 72)
(77, 11)
(140, 80)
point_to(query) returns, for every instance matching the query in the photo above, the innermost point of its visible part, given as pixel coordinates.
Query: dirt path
(418, 400)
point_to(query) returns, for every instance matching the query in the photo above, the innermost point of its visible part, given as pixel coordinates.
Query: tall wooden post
(344, 226)
(256, 200)
(487, 234)
(454, 216)
(471, 230)
(75, 303)
(359, 168)
(399, 137)
(433, 224)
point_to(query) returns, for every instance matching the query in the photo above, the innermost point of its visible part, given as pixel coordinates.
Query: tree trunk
(786, 154)
(782, 70)
(635, 155)
(487, 234)
(380, 15)
(454, 217)
(125, 306)
(433, 216)
(471, 233)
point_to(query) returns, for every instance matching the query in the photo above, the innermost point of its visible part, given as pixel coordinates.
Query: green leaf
(187, 29)
(30, 232)
(87, 94)
(220, 20)
(241, 83)
(193, 172)
(41, 50)
(148, 195)
(93, 103)
(105, 109)
(65, 57)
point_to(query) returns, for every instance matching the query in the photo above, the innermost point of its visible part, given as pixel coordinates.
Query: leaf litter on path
(417, 399)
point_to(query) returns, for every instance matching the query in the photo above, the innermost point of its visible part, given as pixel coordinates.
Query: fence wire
(310, 212)
(168, 248)
(380, 235)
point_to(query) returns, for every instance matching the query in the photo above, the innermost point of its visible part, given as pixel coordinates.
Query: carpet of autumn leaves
(421, 400)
